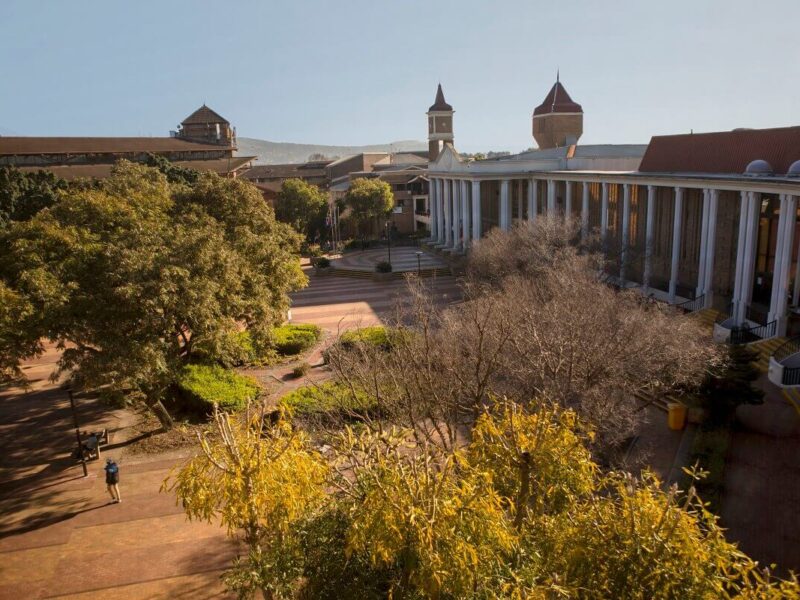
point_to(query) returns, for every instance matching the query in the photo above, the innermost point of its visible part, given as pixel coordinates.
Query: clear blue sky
(357, 72)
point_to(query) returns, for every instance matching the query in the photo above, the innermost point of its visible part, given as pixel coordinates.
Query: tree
(317, 156)
(368, 200)
(261, 483)
(22, 195)
(175, 173)
(129, 276)
(302, 205)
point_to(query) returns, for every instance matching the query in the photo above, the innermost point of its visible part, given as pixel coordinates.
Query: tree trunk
(524, 488)
(161, 414)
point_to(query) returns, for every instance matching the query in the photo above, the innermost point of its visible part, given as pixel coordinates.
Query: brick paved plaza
(60, 537)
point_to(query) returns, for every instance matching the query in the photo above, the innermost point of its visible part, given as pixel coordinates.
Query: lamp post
(389, 240)
(78, 433)
(419, 259)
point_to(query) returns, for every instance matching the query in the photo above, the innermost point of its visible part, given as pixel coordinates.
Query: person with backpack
(112, 480)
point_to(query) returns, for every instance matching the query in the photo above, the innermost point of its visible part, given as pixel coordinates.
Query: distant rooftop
(204, 115)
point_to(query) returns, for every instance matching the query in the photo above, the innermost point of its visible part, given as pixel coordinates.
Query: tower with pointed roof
(558, 121)
(440, 125)
(207, 126)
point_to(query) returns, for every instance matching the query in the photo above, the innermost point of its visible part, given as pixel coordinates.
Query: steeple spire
(439, 104)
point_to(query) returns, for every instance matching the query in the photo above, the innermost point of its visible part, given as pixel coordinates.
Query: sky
(349, 72)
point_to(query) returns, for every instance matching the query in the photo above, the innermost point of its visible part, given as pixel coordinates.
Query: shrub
(375, 336)
(294, 339)
(202, 386)
(311, 250)
(330, 398)
(709, 450)
(301, 370)
(383, 267)
(322, 262)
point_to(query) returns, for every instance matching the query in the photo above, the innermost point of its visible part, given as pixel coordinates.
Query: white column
(568, 201)
(745, 255)
(476, 210)
(440, 210)
(744, 216)
(713, 205)
(626, 220)
(532, 200)
(779, 247)
(677, 222)
(701, 266)
(448, 214)
(432, 206)
(585, 211)
(604, 213)
(780, 278)
(505, 205)
(648, 237)
(456, 214)
(519, 200)
(465, 214)
(551, 197)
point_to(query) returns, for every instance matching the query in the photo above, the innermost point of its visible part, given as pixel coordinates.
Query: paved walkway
(60, 537)
(404, 259)
(761, 501)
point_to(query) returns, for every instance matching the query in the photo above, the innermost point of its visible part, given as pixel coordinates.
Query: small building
(205, 142)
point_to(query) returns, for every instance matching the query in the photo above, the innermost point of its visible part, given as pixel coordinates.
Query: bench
(91, 441)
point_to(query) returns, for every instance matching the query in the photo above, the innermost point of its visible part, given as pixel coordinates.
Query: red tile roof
(99, 145)
(440, 104)
(222, 166)
(722, 151)
(557, 101)
(204, 115)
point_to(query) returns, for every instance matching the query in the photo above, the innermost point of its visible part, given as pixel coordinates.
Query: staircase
(424, 273)
(792, 396)
(659, 402)
(765, 349)
(706, 317)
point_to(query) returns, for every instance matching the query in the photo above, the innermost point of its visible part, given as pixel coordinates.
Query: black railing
(745, 335)
(791, 376)
(693, 304)
(722, 316)
(787, 348)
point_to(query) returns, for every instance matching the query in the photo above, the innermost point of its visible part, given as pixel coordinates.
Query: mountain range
(273, 153)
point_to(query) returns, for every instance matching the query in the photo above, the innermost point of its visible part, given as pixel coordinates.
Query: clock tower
(440, 125)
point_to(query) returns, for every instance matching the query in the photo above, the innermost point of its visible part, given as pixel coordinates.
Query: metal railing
(745, 335)
(787, 348)
(693, 304)
(791, 376)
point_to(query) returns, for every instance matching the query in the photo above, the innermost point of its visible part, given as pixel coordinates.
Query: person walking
(112, 480)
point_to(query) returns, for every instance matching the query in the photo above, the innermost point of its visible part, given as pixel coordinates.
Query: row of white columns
(456, 221)
(455, 212)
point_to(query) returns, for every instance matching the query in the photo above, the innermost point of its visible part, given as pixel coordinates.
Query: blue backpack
(112, 473)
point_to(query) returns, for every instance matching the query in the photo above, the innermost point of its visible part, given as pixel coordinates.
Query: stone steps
(423, 273)
(765, 349)
(706, 317)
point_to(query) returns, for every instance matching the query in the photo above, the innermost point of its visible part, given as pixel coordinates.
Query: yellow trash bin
(676, 416)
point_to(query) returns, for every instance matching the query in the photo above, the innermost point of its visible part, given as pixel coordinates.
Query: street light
(78, 433)
(419, 257)
(389, 240)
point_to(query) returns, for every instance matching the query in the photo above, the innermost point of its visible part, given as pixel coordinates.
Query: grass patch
(294, 339)
(329, 398)
(202, 386)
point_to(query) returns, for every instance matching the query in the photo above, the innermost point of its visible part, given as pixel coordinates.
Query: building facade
(205, 141)
(704, 220)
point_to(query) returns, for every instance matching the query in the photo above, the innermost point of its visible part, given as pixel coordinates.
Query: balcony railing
(745, 335)
(692, 305)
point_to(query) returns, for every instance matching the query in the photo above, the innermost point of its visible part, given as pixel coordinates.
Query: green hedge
(202, 386)
(294, 339)
(375, 336)
(327, 398)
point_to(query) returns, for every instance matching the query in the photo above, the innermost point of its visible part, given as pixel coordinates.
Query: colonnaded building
(705, 220)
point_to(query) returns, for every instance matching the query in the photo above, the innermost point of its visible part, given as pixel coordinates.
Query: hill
(272, 153)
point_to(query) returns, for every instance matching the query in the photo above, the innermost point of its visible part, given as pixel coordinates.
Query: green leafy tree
(130, 276)
(302, 205)
(175, 173)
(368, 200)
(22, 195)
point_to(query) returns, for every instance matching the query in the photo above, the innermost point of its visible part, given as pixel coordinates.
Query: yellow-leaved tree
(262, 482)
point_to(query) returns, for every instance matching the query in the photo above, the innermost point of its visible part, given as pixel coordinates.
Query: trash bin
(676, 415)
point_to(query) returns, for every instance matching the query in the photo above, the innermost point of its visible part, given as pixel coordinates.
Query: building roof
(221, 166)
(557, 101)
(285, 171)
(439, 103)
(204, 115)
(578, 151)
(722, 151)
(17, 146)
